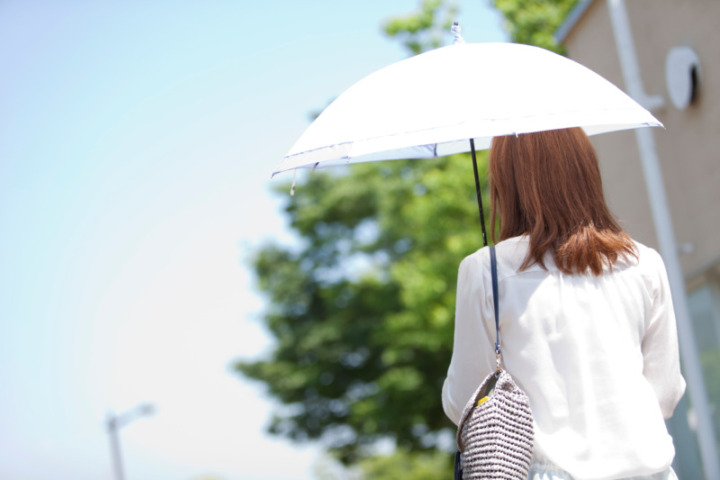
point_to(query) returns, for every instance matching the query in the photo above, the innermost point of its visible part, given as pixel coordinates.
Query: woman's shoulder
(505, 248)
(645, 258)
(478, 259)
(650, 264)
(510, 254)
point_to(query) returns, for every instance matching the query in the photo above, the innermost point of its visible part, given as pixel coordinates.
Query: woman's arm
(661, 362)
(473, 357)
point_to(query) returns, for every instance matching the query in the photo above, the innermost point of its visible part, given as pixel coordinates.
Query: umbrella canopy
(432, 104)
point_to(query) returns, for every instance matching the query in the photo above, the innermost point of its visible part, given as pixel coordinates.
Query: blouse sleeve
(661, 362)
(473, 356)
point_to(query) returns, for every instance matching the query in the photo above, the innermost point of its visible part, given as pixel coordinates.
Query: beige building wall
(689, 147)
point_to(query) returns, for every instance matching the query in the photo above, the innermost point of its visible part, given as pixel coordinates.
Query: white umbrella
(457, 98)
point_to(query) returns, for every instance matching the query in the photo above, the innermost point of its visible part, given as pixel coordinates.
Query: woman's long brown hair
(547, 185)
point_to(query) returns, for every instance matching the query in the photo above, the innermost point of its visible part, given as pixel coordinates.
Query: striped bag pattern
(496, 437)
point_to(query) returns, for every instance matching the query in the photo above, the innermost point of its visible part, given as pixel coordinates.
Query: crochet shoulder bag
(495, 433)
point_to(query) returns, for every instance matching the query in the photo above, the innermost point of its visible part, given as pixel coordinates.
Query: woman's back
(586, 320)
(596, 354)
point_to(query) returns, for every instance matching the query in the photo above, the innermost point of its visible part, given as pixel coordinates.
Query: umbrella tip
(292, 187)
(456, 31)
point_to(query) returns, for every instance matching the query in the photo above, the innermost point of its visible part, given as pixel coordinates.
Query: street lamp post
(114, 424)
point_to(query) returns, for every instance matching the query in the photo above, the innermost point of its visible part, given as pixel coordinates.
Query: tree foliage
(423, 29)
(362, 313)
(362, 309)
(403, 464)
(534, 22)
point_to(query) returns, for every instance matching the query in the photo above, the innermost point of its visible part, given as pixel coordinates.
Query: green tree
(423, 29)
(362, 309)
(534, 22)
(362, 312)
(403, 464)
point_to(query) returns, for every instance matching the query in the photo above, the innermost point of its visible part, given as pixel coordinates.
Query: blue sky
(136, 145)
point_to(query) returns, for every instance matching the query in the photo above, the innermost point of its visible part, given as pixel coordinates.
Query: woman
(586, 318)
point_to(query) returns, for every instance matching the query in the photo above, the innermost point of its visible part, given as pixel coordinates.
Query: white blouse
(596, 355)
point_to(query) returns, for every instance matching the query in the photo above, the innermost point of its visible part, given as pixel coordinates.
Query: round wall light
(682, 72)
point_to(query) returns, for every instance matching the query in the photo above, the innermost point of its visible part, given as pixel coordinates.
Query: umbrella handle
(477, 191)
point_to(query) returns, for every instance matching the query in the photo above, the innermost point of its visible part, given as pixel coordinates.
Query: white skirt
(544, 470)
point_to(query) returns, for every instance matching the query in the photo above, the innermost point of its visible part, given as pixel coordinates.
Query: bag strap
(493, 270)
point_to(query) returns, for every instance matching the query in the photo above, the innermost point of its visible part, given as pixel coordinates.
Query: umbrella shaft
(478, 192)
